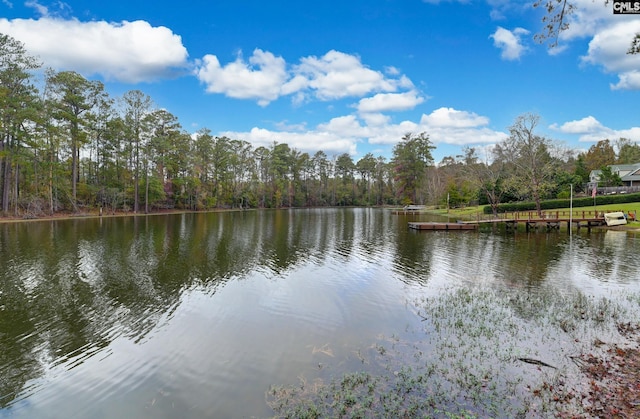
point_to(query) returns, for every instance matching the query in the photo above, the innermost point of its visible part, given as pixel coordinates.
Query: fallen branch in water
(536, 362)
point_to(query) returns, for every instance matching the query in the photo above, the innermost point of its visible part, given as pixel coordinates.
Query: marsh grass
(470, 353)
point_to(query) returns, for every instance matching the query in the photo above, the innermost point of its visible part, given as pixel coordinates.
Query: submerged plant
(475, 353)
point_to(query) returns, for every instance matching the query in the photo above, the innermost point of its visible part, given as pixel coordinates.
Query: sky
(350, 76)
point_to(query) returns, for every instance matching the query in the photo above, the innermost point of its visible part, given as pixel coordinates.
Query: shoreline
(94, 214)
(63, 216)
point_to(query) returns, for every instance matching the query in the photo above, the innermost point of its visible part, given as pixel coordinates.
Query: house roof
(634, 175)
(624, 167)
(632, 172)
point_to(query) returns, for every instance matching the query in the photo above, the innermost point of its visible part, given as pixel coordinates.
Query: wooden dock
(549, 222)
(442, 226)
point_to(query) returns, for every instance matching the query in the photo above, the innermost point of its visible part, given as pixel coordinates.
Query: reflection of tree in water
(293, 237)
(519, 260)
(526, 258)
(18, 357)
(68, 288)
(374, 232)
(422, 256)
(616, 256)
(59, 313)
(283, 240)
(415, 251)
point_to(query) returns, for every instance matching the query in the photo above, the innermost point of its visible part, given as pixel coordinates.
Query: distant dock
(442, 226)
(410, 210)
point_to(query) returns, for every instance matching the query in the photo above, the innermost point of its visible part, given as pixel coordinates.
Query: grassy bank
(471, 213)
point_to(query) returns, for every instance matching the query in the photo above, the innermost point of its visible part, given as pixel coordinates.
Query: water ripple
(203, 312)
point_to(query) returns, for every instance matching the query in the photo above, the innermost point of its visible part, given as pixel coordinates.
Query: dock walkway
(442, 226)
(550, 219)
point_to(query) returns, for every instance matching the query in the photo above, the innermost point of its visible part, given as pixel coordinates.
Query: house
(629, 173)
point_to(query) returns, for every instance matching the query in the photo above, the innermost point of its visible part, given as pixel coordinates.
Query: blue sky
(349, 76)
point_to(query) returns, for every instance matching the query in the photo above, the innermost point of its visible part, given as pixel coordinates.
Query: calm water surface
(196, 315)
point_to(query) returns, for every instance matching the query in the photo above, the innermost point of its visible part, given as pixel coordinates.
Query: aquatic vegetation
(472, 353)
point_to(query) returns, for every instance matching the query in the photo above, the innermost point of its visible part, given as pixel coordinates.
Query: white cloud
(262, 78)
(42, 10)
(588, 18)
(466, 136)
(589, 129)
(127, 51)
(588, 124)
(343, 134)
(310, 141)
(447, 126)
(444, 126)
(509, 42)
(391, 134)
(499, 8)
(389, 102)
(286, 126)
(608, 48)
(445, 1)
(632, 133)
(610, 37)
(347, 126)
(452, 126)
(392, 71)
(629, 80)
(375, 119)
(452, 118)
(337, 75)
(265, 77)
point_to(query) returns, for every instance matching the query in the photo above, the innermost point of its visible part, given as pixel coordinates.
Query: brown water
(197, 315)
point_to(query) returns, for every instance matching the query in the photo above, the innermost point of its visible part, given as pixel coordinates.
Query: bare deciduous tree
(556, 20)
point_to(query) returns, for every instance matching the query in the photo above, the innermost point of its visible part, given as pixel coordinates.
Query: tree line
(69, 146)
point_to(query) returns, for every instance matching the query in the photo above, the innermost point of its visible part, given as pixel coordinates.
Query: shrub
(565, 203)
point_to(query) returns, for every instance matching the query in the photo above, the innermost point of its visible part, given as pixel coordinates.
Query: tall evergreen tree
(18, 111)
(411, 157)
(366, 166)
(137, 105)
(73, 97)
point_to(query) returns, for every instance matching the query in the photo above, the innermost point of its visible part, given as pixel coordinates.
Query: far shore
(105, 214)
(462, 213)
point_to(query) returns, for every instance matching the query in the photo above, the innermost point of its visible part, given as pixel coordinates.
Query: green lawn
(472, 212)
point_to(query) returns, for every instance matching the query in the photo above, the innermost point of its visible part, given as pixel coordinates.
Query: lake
(204, 315)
